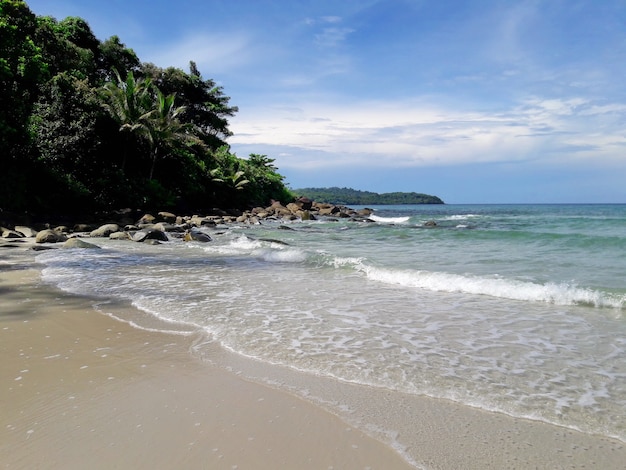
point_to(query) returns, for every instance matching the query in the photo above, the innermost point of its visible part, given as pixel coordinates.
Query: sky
(474, 101)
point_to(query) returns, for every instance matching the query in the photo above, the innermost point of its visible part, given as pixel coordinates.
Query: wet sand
(79, 389)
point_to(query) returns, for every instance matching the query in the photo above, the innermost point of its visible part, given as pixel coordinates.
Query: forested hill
(350, 196)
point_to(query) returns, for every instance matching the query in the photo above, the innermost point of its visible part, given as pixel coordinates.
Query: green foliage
(155, 138)
(349, 196)
(22, 69)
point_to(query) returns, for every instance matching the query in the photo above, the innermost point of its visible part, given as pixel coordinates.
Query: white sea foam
(389, 220)
(559, 294)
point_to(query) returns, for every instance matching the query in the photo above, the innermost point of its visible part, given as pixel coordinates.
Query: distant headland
(349, 196)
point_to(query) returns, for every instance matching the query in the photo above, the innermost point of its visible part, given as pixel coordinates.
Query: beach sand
(79, 389)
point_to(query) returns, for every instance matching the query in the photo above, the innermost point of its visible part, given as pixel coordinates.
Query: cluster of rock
(124, 225)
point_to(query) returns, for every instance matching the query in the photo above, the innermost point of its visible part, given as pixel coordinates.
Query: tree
(116, 57)
(206, 106)
(130, 103)
(164, 129)
(22, 69)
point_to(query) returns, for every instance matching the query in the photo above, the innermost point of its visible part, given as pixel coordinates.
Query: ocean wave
(513, 289)
(272, 251)
(389, 220)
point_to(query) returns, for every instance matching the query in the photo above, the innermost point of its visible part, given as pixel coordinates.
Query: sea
(513, 309)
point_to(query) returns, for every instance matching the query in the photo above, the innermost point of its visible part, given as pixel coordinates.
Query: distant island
(348, 196)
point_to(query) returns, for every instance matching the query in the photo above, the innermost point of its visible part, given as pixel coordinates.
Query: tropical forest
(85, 125)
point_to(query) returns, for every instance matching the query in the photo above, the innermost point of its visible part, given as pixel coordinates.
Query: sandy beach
(83, 390)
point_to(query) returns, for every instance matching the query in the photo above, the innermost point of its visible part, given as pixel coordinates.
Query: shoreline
(86, 391)
(141, 399)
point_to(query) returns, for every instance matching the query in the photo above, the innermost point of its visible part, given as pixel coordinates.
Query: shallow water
(516, 309)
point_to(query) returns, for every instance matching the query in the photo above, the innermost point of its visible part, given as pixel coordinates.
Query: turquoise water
(518, 309)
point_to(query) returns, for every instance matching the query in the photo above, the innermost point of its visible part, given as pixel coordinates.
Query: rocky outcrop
(128, 224)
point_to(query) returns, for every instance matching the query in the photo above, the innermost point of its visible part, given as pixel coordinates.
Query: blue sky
(475, 101)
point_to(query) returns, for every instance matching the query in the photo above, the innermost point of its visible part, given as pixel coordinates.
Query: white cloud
(406, 134)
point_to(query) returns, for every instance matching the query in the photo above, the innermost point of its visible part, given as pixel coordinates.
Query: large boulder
(105, 230)
(50, 236)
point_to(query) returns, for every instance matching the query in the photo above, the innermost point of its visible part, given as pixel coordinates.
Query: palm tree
(140, 108)
(129, 102)
(164, 128)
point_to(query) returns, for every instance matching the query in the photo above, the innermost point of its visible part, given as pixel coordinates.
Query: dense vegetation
(349, 196)
(85, 125)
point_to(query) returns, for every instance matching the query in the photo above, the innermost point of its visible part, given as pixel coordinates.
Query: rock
(167, 217)
(329, 210)
(305, 203)
(105, 230)
(41, 248)
(62, 229)
(150, 234)
(79, 243)
(119, 236)
(167, 227)
(305, 215)
(6, 233)
(152, 242)
(194, 235)
(83, 228)
(146, 219)
(26, 231)
(49, 236)
(293, 207)
(430, 223)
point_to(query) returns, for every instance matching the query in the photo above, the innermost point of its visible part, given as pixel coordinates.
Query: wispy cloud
(217, 52)
(332, 37)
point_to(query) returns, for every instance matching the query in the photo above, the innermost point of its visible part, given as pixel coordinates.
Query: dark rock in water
(285, 227)
(430, 223)
(273, 240)
(42, 248)
(150, 234)
(78, 243)
(194, 235)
